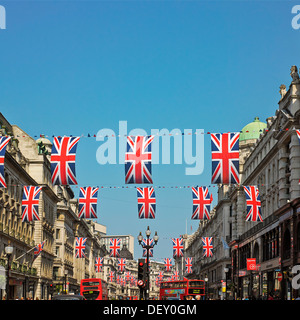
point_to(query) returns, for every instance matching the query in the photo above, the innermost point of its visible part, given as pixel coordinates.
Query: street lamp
(206, 286)
(8, 250)
(147, 246)
(226, 271)
(66, 273)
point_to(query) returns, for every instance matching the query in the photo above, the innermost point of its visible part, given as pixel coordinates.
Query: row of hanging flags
(138, 170)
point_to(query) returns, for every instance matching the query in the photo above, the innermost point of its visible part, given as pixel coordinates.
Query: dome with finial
(252, 130)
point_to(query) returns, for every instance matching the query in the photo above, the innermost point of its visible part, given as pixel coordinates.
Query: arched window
(286, 244)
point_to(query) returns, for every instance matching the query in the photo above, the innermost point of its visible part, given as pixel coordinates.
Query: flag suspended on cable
(62, 160)
(30, 203)
(207, 246)
(3, 144)
(175, 276)
(38, 249)
(87, 207)
(98, 264)
(168, 264)
(138, 159)
(253, 204)
(225, 158)
(111, 276)
(146, 203)
(177, 247)
(201, 203)
(121, 264)
(80, 247)
(188, 265)
(114, 247)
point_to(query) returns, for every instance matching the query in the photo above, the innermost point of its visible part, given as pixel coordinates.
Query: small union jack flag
(87, 207)
(160, 275)
(146, 203)
(188, 265)
(80, 247)
(150, 244)
(225, 158)
(207, 246)
(98, 264)
(114, 247)
(177, 247)
(253, 204)
(30, 203)
(111, 276)
(3, 144)
(168, 264)
(62, 160)
(121, 264)
(150, 252)
(201, 203)
(38, 249)
(138, 158)
(175, 276)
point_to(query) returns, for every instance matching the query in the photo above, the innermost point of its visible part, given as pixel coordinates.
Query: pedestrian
(198, 297)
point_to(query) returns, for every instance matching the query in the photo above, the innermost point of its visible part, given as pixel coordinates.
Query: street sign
(279, 276)
(140, 283)
(251, 264)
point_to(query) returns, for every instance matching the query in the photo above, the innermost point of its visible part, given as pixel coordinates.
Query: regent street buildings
(269, 159)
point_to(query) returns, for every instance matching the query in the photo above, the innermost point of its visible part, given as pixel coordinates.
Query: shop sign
(251, 264)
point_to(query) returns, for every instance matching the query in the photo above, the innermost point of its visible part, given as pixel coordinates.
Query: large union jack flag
(88, 202)
(62, 160)
(114, 247)
(207, 246)
(80, 247)
(168, 264)
(98, 264)
(201, 203)
(121, 264)
(138, 158)
(188, 265)
(177, 247)
(150, 244)
(38, 249)
(30, 203)
(146, 203)
(253, 204)
(225, 158)
(3, 144)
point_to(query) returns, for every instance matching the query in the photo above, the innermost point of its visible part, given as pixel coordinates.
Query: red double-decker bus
(94, 289)
(178, 290)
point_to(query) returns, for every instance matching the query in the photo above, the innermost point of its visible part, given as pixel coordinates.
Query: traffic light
(141, 269)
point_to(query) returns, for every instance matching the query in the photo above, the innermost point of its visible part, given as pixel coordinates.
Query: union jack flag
(138, 158)
(207, 246)
(111, 276)
(87, 207)
(80, 247)
(150, 252)
(168, 264)
(148, 243)
(188, 265)
(128, 276)
(114, 247)
(121, 264)
(146, 203)
(253, 204)
(3, 144)
(118, 279)
(175, 276)
(98, 264)
(38, 249)
(225, 158)
(160, 275)
(30, 203)
(201, 203)
(177, 247)
(62, 160)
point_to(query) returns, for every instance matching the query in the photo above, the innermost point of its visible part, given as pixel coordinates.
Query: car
(68, 297)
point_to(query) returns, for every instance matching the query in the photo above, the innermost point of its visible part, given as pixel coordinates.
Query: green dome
(252, 130)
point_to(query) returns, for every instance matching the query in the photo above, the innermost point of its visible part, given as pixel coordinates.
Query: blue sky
(75, 67)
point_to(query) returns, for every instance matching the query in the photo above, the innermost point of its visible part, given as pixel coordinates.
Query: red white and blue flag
(111, 276)
(175, 276)
(253, 204)
(3, 144)
(138, 159)
(62, 160)
(177, 247)
(87, 207)
(146, 203)
(80, 243)
(207, 246)
(114, 247)
(201, 203)
(30, 203)
(38, 249)
(98, 264)
(150, 244)
(188, 265)
(225, 158)
(121, 264)
(168, 264)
